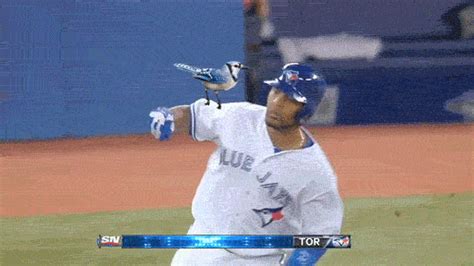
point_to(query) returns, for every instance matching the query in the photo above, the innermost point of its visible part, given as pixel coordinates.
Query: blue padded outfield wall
(75, 68)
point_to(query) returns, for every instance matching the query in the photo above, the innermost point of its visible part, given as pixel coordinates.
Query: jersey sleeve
(205, 120)
(321, 213)
(212, 124)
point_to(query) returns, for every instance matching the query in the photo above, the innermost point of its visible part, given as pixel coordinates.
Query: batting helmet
(302, 84)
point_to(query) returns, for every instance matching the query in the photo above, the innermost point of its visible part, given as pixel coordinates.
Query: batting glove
(162, 125)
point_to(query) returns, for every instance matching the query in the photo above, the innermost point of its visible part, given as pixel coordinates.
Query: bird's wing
(211, 75)
(187, 68)
(204, 74)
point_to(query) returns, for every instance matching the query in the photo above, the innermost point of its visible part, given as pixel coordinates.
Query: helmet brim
(289, 90)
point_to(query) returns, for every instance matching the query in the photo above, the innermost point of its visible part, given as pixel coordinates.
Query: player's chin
(278, 124)
(272, 122)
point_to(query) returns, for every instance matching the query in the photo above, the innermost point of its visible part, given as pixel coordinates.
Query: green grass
(419, 230)
(70, 239)
(428, 230)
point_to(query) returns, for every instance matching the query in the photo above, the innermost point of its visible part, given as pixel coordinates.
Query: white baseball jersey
(249, 188)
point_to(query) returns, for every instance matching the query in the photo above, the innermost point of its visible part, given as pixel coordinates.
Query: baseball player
(267, 176)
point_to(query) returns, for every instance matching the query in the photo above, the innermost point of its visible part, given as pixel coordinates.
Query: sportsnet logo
(109, 241)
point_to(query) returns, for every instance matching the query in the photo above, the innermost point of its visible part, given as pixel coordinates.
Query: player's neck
(287, 139)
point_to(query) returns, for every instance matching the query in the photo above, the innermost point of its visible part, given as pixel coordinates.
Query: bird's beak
(244, 67)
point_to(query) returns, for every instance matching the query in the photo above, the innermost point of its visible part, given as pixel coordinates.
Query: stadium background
(395, 122)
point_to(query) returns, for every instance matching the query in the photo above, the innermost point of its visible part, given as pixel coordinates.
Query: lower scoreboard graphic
(225, 241)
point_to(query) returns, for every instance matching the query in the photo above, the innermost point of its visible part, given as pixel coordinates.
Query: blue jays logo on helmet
(291, 76)
(302, 84)
(268, 215)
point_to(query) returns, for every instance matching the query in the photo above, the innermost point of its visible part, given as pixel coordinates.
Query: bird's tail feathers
(187, 68)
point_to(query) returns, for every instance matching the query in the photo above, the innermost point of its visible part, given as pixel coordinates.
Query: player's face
(281, 110)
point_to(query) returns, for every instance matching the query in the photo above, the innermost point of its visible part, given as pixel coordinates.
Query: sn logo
(109, 241)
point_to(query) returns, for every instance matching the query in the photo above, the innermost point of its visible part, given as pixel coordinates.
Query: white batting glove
(162, 125)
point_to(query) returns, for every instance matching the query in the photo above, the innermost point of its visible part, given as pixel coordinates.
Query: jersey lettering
(271, 187)
(234, 162)
(265, 177)
(236, 159)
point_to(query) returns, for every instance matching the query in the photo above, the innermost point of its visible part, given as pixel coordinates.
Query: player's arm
(321, 214)
(182, 118)
(168, 121)
(203, 122)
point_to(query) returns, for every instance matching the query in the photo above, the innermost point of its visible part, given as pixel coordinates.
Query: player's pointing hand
(162, 125)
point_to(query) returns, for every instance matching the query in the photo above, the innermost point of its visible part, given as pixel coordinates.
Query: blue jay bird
(215, 79)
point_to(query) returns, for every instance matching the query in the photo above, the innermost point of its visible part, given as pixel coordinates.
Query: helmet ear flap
(314, 92)
(305, 113)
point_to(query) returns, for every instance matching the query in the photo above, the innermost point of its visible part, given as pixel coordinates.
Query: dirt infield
(137, 172)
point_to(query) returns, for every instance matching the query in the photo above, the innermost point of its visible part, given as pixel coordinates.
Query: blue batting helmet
(302, 84)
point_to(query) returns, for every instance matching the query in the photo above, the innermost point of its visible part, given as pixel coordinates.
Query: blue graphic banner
(225, 241)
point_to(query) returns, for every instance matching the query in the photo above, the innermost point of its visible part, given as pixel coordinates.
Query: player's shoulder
(252, 113)
(232, 106)
(242, 109)
(244, 106)
(229, 111)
